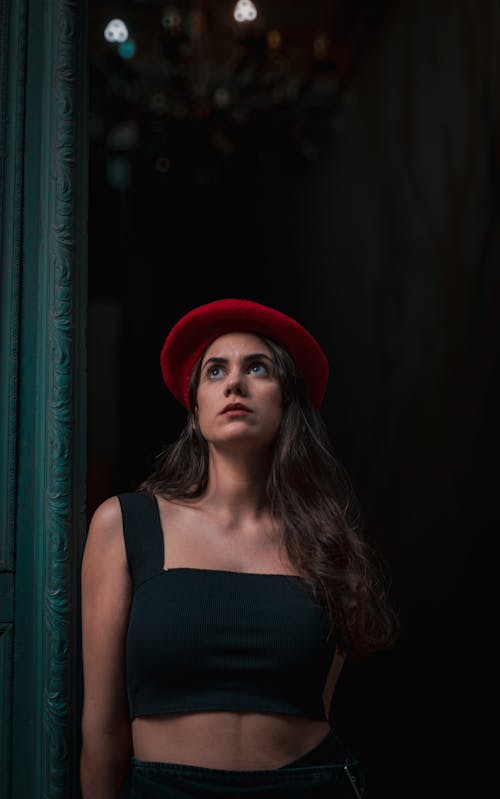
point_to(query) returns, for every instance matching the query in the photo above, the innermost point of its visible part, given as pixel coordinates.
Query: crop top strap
(143, 535)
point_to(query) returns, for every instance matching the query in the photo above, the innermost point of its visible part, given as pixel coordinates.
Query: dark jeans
(326, 772)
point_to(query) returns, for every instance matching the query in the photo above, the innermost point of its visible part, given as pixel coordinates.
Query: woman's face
(239, 396)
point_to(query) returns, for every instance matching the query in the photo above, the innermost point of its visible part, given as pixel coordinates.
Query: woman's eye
(259, 368)
(214, 371)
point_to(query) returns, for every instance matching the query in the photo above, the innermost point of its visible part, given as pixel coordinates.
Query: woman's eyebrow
(250, 357)
(254, 355)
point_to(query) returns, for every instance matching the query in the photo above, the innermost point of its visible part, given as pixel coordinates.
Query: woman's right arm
(106, 596)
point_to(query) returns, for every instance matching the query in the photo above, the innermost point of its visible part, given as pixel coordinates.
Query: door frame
(43, 304)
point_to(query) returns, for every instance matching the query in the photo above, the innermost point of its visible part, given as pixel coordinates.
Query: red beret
(192, 334)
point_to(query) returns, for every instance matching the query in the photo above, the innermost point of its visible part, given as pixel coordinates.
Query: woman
(220, 600)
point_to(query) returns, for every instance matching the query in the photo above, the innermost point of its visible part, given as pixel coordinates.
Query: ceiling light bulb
(244, 11)
(116, 31)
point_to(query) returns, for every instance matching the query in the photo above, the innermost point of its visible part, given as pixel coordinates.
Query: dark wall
(366, 205)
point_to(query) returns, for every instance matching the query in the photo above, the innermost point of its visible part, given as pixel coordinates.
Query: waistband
(325, 763)
(330, 750)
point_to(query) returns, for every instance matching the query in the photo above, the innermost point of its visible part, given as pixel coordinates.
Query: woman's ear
(193, 418)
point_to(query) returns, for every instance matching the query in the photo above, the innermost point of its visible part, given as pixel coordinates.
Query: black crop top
(206, 639)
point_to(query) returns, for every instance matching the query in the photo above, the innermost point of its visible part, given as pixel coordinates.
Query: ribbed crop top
(206, 639)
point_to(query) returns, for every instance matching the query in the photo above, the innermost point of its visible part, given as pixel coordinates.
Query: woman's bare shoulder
(108, 512)
(104, 566)
(105, 533)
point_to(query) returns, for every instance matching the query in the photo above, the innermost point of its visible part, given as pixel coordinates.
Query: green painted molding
(13, 22)
(5, 704)
(51, 444)
(12, 89)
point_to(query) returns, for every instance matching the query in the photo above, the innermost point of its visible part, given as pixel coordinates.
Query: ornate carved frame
(43, 196)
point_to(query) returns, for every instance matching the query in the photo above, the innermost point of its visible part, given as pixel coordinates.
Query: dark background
(338, 161)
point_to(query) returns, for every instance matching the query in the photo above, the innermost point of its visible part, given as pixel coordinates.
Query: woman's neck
(236, 490)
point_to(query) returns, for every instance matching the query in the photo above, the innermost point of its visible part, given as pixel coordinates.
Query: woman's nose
(234, 387)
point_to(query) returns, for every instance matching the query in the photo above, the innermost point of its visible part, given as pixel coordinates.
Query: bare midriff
(226, 739)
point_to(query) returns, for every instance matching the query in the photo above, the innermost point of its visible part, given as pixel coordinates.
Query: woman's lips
(236, 409)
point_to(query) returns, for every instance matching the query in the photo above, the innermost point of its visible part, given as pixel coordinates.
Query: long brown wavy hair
(311, 494)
